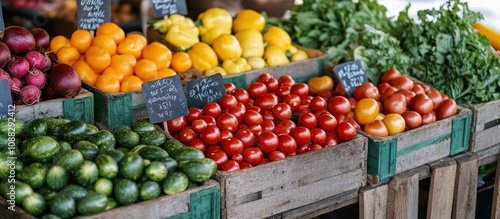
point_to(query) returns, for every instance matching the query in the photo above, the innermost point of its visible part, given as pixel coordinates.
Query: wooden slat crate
(202, 202)
(485, 125)
(80, 108)
(388, 156)
(279, 188)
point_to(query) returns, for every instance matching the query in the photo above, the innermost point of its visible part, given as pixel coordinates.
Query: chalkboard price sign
(201, 91)
(167, 7)
(351, 75)
(92, 13)
(5, 99)
(165, 99)
(2, 23)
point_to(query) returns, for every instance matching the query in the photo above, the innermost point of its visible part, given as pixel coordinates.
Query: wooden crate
(303, 182)
(388, 156)
(485, 125)
(202, 202)
(80, 108)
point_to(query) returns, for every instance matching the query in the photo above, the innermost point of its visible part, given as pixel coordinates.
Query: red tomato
(212, 148)
(445, 97)
(281, 130)
(307, 120)
(212, 109)
(318, 136)
(276, 155)
(238, 158)
(345, 131)
(228, 122)
(376, 128)
(199, 125)
(418, 89)
(340, 117)
(256, 89)
(429, 118)
(227, 101)
(254, 108)
(287, 144)
(177, 124)
(246, 137)
(353, 122)
(306, 100)
(327, 122)
(232, 146)
(230, 165)
(266, 101)
(412, 119)
(198, 144)
(315, 147)
(353, 102)
(286, 80)
(436, 98)
(187, 135)
(424, 86)
(301, 134)
(282, 111)
(387, 92)
(288, 124)
(210, 120)
(229, 87)
(366, 90)
(409, 95)
(422, 104)
(255, 129)
(267, 125)
(219, 156)
(339, 90)
(211, 135)
(241, 95)
(267, 141)
(245, 165)
(382, 86)
(193, 114)
(301, 89)
(448, 108)
(253, 155)
(303, 148)
(303, 109)
(264, 76)
(293, 100)
(237, 112)
(330, 141)
(327, 94)
(403, 82)
(318, 104)
(268, 115)
(395, 103)
(339, 105)
(283, 91)
(390, 74)
(272, 84)
(252, 117)
(225, 134)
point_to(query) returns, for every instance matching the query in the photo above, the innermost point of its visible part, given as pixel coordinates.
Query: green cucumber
(57, 178)
(125, 191)
(199, 171)
(175, 182)
(92, 203)
(104, 139)
(69, 159)
(104, 186)
(149, 190)
(88, 149)
(63, 206)
(107, 165)
(86, 174)
(41, 148)
(127, 138)
(34, 204)
(38, 127)
(131, 166)
(156, 171)
(187, 153)
(152, 152)
(155, 137)
(74, 131)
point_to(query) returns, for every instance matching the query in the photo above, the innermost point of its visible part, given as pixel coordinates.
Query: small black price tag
(92, 13)
(5, 98)
(351, 75)
(167, 7)
(165, 99)
(2, 23)
(201, 91)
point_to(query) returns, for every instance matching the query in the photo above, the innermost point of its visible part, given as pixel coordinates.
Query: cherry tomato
(409, 95)
(436, 98)
(241, 95)
(267, 125)
(448, 108)
(193, 114)
(199, 125)
(318, 104)
(301, 134)
(303, 109)
(276, 155)
(228, 122)
(366, 110)
(286, 80)
(412, 119)
(232, 146)
(212, 109)
(237, 157)
(272, 84)
(387, 92)
(282, 111)
(382, 86)
(376, 128)
(339, 105)
(177, 124)
(403, 82)
(293, 100)
(390, 74)
(395, 103)
(229, 87)
(198, 144)
(366, 90)
(267, 141)
(230, 165)
(245, 165)
(301, 89)
(422, 104)
(306, 100)
(186, 135)
(283, 91)
(256, 89)
(315, 147)
(212, 148)
(287, 144)
(246, 137)
(225, 134)
(264, 76)
(256, 129)
(345, 131)
(252, 117)
(210, 120)
(418, 89)
(327, 122)
(394, 122)
(429, 118)
(288, 123)
(303, 148)
(227, 101)
(307, 120)
(211, 135)
(253, 155)
(266, 101)
(318, 136)
(281, 130)
(219, 156)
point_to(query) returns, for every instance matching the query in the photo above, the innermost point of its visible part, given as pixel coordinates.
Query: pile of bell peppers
(220, 43)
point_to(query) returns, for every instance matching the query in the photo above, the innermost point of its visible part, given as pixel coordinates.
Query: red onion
(35, 59)
(42, 38)
(19, 40)
(47, 63)
(36, 78)
(65, 81)
(30, 95)
(15, 85)
(18, 67)
(48, 93)
(4, 75)
(4, 54)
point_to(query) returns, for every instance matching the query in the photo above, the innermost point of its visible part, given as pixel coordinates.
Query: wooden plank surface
(495, 208)
(402, 196)
(489, 155)
(464, 199)
(373, 202)
(484, 113)
(485, 138)
(441, 189)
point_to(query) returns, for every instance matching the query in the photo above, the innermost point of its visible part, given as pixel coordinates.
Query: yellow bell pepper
(226, 46)
(215, 70)
(248, 19)
(275, 56)
(183, 35)
(203, 56)
(299, 55)
(256, 62)
(251, 42)
(320, 84)
(214, 22)
(236, 65)
(278, 37)
(161, 25)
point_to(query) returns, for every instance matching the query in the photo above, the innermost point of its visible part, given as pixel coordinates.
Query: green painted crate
(80, 107)
(201, 202)
(391, 155)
